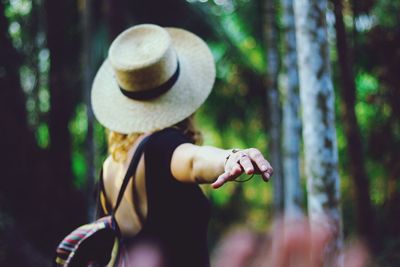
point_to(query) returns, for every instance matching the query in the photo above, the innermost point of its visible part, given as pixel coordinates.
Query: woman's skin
(190, 164)
(207, 164)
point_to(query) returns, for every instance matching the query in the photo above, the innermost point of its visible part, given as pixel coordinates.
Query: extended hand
(249, 161)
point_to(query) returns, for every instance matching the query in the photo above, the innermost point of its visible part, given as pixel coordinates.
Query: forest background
(53, 147)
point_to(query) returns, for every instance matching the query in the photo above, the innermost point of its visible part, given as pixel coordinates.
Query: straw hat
(153, 78)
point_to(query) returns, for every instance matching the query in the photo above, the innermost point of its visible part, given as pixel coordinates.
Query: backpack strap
(130, 173)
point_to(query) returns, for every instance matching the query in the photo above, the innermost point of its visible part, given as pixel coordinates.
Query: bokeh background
(52, 147)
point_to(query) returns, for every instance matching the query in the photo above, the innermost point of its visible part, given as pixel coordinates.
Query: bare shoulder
(111, 168)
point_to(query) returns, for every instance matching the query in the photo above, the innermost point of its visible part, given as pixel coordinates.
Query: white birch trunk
(317, 101)
(291, 123)
(274, 106)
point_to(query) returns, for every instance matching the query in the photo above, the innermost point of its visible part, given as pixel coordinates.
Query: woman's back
(113, 175)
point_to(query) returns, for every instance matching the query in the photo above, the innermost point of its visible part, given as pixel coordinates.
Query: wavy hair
(119, 144)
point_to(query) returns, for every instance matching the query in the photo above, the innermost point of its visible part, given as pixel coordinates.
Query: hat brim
(196, 79)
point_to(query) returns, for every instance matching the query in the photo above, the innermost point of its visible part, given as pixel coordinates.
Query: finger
(256, 156)
(262, 164)
(246, 164)
(223, 178)
(236, 170)
(266, 176)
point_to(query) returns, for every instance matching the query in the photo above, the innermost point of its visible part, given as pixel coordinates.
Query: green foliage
(378, 182)
(239, 31)
(78, 128)
(244, 41)
(78, 125)
(79, 169)
(387, 13)
(16, 12)
(43, 136)
(100, 143)
(367, 90)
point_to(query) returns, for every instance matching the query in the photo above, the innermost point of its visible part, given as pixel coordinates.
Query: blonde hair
(119, 144)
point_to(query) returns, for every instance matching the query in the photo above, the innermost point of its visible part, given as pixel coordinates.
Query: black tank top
(178, 213)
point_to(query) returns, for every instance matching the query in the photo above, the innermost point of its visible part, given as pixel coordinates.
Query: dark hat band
(154, 92)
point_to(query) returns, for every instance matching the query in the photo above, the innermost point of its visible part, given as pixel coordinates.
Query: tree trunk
(317, 100)
(87, 60)
(291, 124)
(115, 17)
(16, 139)
(61, 95)
(364, 214)
(64, 84)
(274, 111)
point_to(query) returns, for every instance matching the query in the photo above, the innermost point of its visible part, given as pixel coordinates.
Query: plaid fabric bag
(94, 244)
(89, 244)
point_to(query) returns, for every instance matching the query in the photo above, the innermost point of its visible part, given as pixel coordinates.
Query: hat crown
(142, 57)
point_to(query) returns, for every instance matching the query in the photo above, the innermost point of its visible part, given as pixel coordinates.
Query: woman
(151, 84)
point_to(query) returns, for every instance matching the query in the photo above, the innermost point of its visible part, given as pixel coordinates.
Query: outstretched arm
(207, 164)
